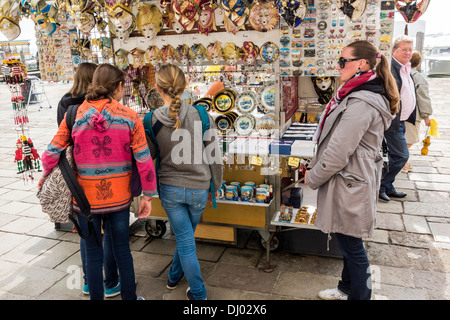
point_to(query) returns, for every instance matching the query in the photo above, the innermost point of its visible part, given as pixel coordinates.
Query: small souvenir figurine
(121, 18)
(122, 59)
(168, 54)
(36, 156)
(236, 13)
(149, 20)
(153, 55)
(411, 10)
(354, 9)
(206, 20)
(186, 13)
(231, 53)
(27, 155)
(197, 53)
(263, 16)
(250, 52)
(293, 12)
(9, 19)
(214, 52)
(182, 54)
(324, 87)
(19, 156)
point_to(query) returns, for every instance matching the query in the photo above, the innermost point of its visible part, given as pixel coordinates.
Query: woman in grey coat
(347, 167)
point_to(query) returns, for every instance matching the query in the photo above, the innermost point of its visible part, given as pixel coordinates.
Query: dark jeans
(356, 276)
(398, 156)
(116, 235)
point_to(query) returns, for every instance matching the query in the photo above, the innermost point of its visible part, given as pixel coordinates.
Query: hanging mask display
(44, 24)
(86, 52)
(121, 18)
(197, 53)
(138, 58)
(122, 59)
(293, 12)
(9, 19)
(324, 87)
(77, 7)
(231, 53)
(411, 10)
(353, 9)
(236, 13)
(168, 54)
(214, 52)
(87, 22)
(250, 52)
(182, 54)
(153, 55)
(105, 43)
(263, 16)
(206, 20)
(186, 13)
(149, 20)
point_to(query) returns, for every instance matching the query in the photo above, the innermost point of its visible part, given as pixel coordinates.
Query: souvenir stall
(264, 70)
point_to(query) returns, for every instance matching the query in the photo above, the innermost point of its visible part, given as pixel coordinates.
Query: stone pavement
(409, 255)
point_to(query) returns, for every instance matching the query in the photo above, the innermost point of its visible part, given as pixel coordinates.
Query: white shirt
(407, 92)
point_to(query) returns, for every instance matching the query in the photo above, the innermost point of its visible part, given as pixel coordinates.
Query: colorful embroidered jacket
(105, 135)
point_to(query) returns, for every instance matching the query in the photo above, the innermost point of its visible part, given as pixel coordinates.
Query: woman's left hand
(41, 182)
(145, 207)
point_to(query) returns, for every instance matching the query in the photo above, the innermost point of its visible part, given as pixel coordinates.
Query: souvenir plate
(269, 52)
(205, 102)
(265, 125)
(245, 124)
(223, 101)
(268, 98)
(246, 101)
(223, 124)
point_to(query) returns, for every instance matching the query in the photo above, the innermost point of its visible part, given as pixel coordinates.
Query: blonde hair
(171, 81)
(367, 51)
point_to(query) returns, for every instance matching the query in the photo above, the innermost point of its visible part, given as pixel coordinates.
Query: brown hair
(171, 80)
(105, 81)
(82, 79)
(416, 59)
(367, 51)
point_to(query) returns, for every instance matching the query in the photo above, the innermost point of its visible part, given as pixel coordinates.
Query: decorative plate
(223, 101)
(269, 52)
(245, 124)
(205, 102)
(246, 101)
(223, 124)
(268, 97)
(265, 126)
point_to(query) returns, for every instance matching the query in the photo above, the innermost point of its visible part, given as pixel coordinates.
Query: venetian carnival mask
(411, 10)
(44, 24)
(354, 9)
(77, 8)
(173, 23)
(86, 52)
(122, 59)
(168, 54)
(250, 52)
(263, 16)
(182, 54)
(9, 19)
(149, 20)
(138, 58)
(231, 53)
(214, 52)
(106, 48)
(186, 13)
(122, 21)
(206, 20)
(197, 53)
(236, 13)
(293, 12)
(324, 87)
(153, 55)
(87, 22)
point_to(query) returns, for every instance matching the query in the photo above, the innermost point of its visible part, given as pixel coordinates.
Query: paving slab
(440, 231)
(416, 224)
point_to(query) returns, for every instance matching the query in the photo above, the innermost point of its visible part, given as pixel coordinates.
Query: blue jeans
(184, 207)
(109, 264)
(115, 235)
(398, 156)
(356, 276)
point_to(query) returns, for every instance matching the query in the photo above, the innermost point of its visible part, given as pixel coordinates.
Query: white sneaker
(333, 294)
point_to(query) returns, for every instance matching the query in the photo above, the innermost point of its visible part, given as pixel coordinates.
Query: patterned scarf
(344, 90)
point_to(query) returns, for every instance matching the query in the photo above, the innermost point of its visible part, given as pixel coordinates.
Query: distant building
(13, 49)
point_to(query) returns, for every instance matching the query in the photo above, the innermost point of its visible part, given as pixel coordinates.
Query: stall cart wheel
(156, 228)
(275, 243)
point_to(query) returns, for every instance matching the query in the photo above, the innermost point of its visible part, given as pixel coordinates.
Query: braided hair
(171, 80)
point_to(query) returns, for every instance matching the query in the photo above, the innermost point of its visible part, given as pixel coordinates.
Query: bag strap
(152, 131)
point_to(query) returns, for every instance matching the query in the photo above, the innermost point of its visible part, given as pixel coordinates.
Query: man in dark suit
(395, 136)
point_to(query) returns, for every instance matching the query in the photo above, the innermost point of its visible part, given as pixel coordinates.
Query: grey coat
(347, 167)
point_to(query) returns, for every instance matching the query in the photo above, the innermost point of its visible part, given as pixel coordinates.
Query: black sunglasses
(342, 61)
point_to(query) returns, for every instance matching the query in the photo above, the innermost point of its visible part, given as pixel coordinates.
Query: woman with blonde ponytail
(188, 162)
(347, 167)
